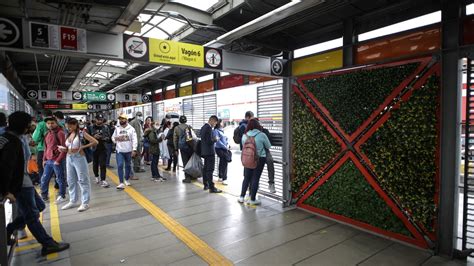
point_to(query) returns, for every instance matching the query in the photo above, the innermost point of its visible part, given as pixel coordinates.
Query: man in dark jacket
(17, 186)
(208, 153)
(100, 132)
(179, 140)
(243, 125)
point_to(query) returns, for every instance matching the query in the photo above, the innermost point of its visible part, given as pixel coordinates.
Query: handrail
(6, 254)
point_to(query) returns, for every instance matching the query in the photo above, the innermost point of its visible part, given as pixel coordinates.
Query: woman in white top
(165, 155)
(77, 169)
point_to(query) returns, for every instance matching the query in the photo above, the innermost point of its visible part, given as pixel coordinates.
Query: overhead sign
(73, 39)
(176, 53)
(57, 106)
(213, 58)
(32, 94)
(94, 96)
(146, 98)
(11, 32)
(278, 67)
(135, 48)
(128, 97)
(79, 106)
(44, 36)
(108, 106)
(44, 95)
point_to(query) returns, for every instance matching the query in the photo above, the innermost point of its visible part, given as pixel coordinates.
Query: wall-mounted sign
(212, 58)
(44, 95)
(146, 98)
(108, 106)
(73, 39)
(11, 32)
(135, 48)
(128, 97)
(94, 96)
(278, 67)
(44, 36)
(79, 106)
(176, 53)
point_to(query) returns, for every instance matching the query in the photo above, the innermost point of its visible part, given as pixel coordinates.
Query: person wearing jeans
(155, 138)
(52, 159)
(125, 139)
(77, 168)
(252, 176)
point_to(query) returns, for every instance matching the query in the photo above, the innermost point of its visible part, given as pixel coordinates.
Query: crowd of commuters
(63, 148)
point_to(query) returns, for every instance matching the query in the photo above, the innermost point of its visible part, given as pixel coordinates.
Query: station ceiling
(188, 21)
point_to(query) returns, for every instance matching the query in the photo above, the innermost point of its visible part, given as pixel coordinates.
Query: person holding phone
(101, 133)
(126, 142)
(77, 169)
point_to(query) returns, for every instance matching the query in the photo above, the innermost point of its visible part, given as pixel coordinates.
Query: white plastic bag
(194, 166)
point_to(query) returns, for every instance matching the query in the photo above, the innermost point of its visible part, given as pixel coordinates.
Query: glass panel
(198, 4)
(156, 33)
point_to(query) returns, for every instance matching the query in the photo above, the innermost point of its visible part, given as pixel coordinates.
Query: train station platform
(171, 223)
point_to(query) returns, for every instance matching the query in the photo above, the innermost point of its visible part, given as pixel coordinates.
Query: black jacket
(104, 132)
(207, 142)
(12, 164)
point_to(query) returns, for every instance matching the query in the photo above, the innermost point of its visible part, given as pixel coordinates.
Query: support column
(194, 81)
(349, 39)
(450, 127)
(217, 75)
(287, 100)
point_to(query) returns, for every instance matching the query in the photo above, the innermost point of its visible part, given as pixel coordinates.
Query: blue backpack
(182, 142)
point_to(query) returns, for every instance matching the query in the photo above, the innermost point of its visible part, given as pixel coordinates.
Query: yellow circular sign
(165, 47)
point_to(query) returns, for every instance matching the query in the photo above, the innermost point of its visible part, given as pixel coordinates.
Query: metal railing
(6, 251)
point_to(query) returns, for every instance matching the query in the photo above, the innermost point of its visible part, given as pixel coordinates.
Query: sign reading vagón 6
(176, 53)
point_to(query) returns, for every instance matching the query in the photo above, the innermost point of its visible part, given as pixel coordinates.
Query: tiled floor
(117, 230)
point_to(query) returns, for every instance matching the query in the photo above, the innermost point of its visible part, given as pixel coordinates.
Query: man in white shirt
(125, 138)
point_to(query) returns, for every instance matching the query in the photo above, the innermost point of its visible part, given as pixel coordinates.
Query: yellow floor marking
(54, 217)
(201, 248)
(27, 247)
(226, 194)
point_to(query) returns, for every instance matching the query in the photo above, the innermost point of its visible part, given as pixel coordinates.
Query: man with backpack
(17, 186)
(100, 132)
(209, 154)
(239, 131)
(52, 159)
(182, 140)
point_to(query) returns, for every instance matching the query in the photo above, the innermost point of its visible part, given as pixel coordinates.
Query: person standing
(240, 130)
(109, 144)
(209, 154)
(180, 141)
(146, 143)
(171, 150)
(38, 137)
(100, 132)
(137, 124)
(18, 187)
(52, 159)
(222, 150)
(155, 139)
(61, 123)
(125, 139)
(77, 168)
(165, 154)
(259, 146)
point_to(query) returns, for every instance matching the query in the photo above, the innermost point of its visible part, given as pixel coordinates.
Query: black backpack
(238, 133)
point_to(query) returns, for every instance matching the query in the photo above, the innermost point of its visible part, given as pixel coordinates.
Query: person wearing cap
(125, 139)
(52, 159)
(101, 133)
(137, 124)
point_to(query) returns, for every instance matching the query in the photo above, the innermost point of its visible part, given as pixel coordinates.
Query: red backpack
(249, 153)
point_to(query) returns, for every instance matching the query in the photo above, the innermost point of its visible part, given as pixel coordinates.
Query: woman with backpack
(171, 150)
(253, 159)
(77, 168)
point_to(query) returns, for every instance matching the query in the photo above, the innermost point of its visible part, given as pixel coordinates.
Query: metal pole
(286, 152)
(450, 129)
(349, 39)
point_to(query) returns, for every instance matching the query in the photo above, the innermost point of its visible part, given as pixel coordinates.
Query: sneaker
(69, 205)
(186, 180)
(254, 202)
(110, 167)
(241, 200)
(97, 180)
(60, 199)
(104, 184)
(220, 180)
(53, 248)
(120, 186)
(224, 182)
(156, 179)
(83, 207)
(21, 233)
(127, 183)
(163, 178)
(271, 187)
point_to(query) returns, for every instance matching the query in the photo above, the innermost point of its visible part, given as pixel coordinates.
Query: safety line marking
(201, 248)
(27, 247)
(54, 217)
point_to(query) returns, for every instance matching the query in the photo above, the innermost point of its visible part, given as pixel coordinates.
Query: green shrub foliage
(313, 145)
(347, 193)
(403, 152)
(352, 97)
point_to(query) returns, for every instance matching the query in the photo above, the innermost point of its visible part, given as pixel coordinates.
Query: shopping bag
(194, 166)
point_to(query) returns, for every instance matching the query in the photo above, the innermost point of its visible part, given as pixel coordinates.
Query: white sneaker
(97, 180)
(60, 199)
(271, 187)
(254, 202)
(69, 205)
(121, 186)
(220, 180)
(83, 207)
(104, 184)
(241, 200)
(127, 183)
(224, 182)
